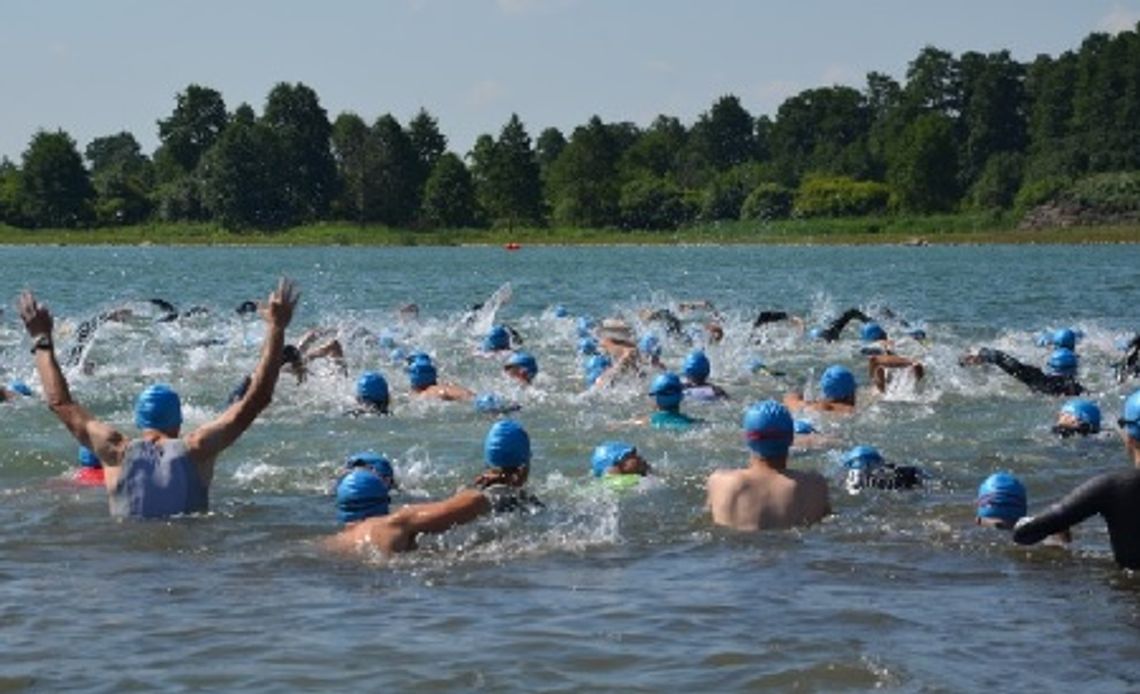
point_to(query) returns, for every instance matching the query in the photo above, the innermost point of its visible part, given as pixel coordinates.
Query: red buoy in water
(512, 246)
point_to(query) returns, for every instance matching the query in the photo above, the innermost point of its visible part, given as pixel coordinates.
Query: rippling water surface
(601, 591)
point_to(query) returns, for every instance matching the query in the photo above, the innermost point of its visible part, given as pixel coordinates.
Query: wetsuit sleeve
(1079, 504)
(1031, 376)
(831, 333)
(769, 317)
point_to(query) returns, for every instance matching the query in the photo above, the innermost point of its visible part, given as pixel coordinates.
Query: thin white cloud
(1118, 19)
(485, 93)
(841, 74)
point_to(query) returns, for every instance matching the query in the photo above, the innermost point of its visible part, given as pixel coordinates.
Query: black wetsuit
(504, 498)
(831, 332)
(766, 317)
(1035, 378)
(1129, 367)
(1114, 495)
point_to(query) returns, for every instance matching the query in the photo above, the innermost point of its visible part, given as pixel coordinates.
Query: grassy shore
(943, 229)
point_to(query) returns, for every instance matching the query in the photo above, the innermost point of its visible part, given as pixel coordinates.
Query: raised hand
(278, 308)
(37, 319)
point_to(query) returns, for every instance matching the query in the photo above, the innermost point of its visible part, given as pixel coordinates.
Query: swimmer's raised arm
(204, 443)
(103, 439)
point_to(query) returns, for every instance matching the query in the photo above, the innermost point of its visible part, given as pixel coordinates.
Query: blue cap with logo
(837, 383)
(667, 390)
(158, 407)
(1001, 496)
(1065, 337)
(697, 366)
(768, 429)
(608, 454)
(507, 445)
(374, 461)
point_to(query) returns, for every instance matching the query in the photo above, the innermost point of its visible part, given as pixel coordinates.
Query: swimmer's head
(838, 384)
(917, 334)
(291, 355)
(561, 311)
(418, 356)
(1130, 419)
(422, 374)
(768, 429)
(872, 332)
(617, 458)
(87, 458)
(246, 307)
(507, 446)
(649, 345)
(491, 403)
(18, 386)
(862, 458)
(697, 367)
(595, 367)
(375, 462)
(817, 334)
(586, 326)
(522, 365)
(361, 494)
(372, 390)
(1063, 362)
(497, 339)
(1078, 416)
(803, 427)
(158, 407)
(587, 346)
(1001, 500)
(1065, 338)
(667, 391)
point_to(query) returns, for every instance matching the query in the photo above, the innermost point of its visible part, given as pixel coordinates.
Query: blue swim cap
(361, 494)
(374, 461)
(18, 386)
(1085, 411)
(697, 366)
(667, 390)
(87, 457)
(525, 361)
(917, 334)
(371, 388)
(497, 339)
(816, 333)
(862, 458)
(608, 454)
(418, 356)
(491, 403)
(803, 426)
(1002, 496)
(507, 445)
(768, 429)
(595, 367)
(587, 345)
(872, 332)
(421, 374)
(1131, 415)
(1063, 362)
(649, 345)
(837, 383)
(158, 408)
(1065, 338)
(561, 311)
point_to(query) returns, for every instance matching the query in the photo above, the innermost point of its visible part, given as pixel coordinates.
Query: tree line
(974, 131)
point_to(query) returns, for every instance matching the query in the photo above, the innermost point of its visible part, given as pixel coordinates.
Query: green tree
(506, 177)
(650, 202)
(449, 194)
(932, 84)
(392, 174)
(242, 176)
(993, 111)
(197, 122)
(999, 182)
(55, 189)
(352, 148)
(10, 194)
(725, 135)
(923, 165)
(658, 150)
(823, 130)
(295, 115)
(768, 201)
(1052, 148)
(123, 179)
(547, 147)
(583, 183)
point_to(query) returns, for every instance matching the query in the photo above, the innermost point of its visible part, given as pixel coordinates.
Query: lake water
(635, 592)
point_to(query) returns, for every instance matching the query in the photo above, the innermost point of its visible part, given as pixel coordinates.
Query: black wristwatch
(42, 342)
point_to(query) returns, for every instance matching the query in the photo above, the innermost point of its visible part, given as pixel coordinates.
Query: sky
(95, 68)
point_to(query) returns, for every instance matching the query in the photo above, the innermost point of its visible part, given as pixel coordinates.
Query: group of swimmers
(161, 473)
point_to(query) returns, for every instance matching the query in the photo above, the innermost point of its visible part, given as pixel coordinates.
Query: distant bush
(840, 197)
(999, 182)
(1109, 192)
(768, 201)
(654, 203)
(1039, 192)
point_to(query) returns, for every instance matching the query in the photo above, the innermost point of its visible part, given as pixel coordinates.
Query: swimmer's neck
(763, 464)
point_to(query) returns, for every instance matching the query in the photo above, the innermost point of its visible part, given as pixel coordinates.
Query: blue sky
(95, 68)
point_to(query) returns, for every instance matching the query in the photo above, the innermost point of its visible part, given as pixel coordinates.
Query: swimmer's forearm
(268, 368)
(56, 392)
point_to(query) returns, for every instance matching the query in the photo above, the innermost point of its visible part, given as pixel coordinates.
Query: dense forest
(972, 132)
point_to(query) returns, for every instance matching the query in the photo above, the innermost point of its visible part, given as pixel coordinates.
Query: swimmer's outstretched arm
(440, 516)
(104, 440)
(210, 439)
(1079, 504)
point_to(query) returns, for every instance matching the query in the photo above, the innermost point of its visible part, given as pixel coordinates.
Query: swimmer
(618, 459)
(290, 357)
(598, 371)
(879, 367)
(492, 403)
(766, 317)
(866, 469)
(1001, 501)
(836, 385)
(696, 371)
(371, 394)
(1113, 495)
(522, 367)
(767, 495)
(15, 389)
(832, 331)
(1077, 417)
(1129, 366)
(424, 383)
(649, 348)
(377, 463)
(668, 393)
(310, 351)
(506, 459)
(874, 339)
(497, 339)
(159, 474)
(1059, 379)
(90, 472)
